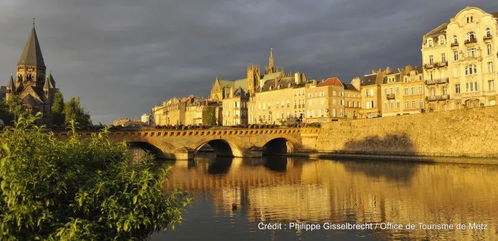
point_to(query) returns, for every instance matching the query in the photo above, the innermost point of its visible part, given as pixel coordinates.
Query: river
(235, 198)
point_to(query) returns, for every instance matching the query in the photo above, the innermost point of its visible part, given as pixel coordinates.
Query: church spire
(32, 55)
(271, 63)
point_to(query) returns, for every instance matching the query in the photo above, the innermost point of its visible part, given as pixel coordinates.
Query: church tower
(31, 84)
(271, 68)
(253, 77)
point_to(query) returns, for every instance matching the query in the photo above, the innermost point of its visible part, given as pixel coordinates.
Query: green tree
(75, 113)
(11, 109)
(58, 116)
(77, 189)
(209, 116)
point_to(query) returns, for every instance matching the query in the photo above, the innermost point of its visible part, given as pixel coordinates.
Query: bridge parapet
(238, 142)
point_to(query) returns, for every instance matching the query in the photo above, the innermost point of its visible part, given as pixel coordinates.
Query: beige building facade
(189, 110)
(402, 92)
(459, 60)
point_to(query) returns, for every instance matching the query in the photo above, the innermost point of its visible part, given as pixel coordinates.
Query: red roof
(331, 81)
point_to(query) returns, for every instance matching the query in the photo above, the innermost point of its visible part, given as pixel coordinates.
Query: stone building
(402, 92)
(459, 59)
(352, 100)
(371, 96)
(234, 108)
(324, 100)
(189, 110)
(273, 97)
(32, 84)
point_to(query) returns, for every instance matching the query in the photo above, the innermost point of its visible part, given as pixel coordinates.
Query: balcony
(454, 44)
(442, 64)
(487, 37)
(470, 41)
(391, 96)
(437, 98)
(428, 66)
(436, 81)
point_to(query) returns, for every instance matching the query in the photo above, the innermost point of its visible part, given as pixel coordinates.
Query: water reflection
(287, 189)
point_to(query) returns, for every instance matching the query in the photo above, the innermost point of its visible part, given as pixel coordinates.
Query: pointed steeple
(271, 63)
(12, 85)
(32, 55)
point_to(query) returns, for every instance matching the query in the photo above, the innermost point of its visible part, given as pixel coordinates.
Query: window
(429, 42)
(421, 90)
(413, 90)
(490, 67)
(488, 49)
(445, 90)
(443, 57)
(488, 32)
(455, 39)
(457, 88)
(431, 59)
(491, 85)
(475, 86)
(414, 105)
(470, 19)
(471, 69)
(455, 55)
(406, 91)
(471, 36)
(472, 52)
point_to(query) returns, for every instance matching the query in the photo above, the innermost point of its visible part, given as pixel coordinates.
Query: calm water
(283, 190)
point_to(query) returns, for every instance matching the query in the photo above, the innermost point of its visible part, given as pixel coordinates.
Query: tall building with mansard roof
(460, 60)
(35, 88)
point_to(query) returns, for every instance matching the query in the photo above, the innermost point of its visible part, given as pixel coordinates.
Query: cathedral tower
(271, 68)
(253, 77)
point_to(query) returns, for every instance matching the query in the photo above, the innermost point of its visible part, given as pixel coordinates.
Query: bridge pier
(184, 154)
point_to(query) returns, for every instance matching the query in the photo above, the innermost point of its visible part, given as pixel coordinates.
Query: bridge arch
(278, 146)
(221, 147)
(147, 147)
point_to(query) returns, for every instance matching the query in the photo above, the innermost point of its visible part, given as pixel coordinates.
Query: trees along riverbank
(79, 189)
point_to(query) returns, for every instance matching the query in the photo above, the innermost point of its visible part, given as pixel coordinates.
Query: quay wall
(456, 133)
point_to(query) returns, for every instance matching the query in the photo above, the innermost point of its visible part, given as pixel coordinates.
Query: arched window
(471, 36)
(488, 32)
(429, 42)
(455, 39)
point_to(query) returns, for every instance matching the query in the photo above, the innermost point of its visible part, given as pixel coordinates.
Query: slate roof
(350, 87)
(369, 80)
(32, 55)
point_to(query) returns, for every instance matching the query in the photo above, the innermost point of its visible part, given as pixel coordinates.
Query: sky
(122, 57)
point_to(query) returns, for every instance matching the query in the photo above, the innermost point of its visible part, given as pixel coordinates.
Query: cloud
(124, 56)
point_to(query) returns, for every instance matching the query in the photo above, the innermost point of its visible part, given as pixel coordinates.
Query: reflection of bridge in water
(324, 190)
(233, 142)
(205, 174)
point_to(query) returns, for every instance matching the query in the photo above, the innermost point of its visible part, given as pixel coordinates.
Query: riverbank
(388, 157)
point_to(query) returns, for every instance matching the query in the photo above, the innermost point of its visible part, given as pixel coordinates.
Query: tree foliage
(11, 109)
(209, 116)
(78, 189)
(75, 113)
(58, 116)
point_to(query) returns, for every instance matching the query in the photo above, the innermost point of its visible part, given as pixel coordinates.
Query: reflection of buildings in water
(356, 192)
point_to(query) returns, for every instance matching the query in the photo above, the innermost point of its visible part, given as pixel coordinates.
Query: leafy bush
(77, 189)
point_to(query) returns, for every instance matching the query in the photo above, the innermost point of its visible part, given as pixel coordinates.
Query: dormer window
(429, 42)
(441, 40)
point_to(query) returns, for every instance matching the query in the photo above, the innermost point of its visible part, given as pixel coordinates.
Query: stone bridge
(234, 142)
